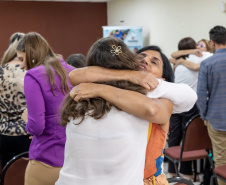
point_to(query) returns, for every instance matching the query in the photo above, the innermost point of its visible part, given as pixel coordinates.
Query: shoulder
(194, 58)
(208, 60)
(207, 54)
(66, 66)
(36, 72)
(38, 69)
(17, 69)
(12, 69)
(190, 56)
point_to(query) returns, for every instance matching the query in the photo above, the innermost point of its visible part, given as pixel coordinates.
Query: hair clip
(116, 50)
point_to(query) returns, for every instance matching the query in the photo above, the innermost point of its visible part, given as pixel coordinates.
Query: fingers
(22, 66)
(74, 92)
(77, 98)
(154, 86)
(146, 86)
(175, 66)
(198, 53)
(151, 84)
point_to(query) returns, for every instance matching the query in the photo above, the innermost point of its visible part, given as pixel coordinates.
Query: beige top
(12, 100)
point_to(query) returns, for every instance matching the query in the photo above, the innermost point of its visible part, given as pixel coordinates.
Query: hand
(198, 53)
(144, 79)
(205, 122)
(174, 67)
(24, 116)
(179, 61)
(85, 90)
(172, 60)
(22, 66)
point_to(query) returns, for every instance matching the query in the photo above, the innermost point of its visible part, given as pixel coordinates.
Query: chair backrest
(196, 136)
(14, 171)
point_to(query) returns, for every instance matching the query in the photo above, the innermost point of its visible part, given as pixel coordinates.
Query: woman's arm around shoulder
(152, 110)
(190, 65)
(97, 74)
(180, 53)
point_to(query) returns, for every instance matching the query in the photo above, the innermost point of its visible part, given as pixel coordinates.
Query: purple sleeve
(35, 106)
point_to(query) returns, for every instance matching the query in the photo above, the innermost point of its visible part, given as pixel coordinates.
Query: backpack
(208, 171)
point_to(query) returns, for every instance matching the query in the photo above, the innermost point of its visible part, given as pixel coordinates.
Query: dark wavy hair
(167, 69)
(102, 54)
(186, 43)
(218, 35)
(76, 60)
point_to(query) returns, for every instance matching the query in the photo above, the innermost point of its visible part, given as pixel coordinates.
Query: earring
(33, 61)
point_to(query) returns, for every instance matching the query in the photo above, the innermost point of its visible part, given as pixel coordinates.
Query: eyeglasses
(201, 45)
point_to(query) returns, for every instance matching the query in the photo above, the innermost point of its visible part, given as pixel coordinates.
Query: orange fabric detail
(155, 145)
(149, 131)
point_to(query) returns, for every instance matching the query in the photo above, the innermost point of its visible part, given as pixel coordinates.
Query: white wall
(165, 22)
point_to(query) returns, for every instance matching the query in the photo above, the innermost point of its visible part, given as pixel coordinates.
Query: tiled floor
(167, 175)
(166, 170)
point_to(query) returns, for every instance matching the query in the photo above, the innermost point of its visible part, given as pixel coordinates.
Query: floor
(167, 175)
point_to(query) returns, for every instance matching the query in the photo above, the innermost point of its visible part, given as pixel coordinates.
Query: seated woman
(122, 99)
(203, 50)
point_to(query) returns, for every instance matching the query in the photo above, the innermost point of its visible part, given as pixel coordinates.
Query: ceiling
(70, 0)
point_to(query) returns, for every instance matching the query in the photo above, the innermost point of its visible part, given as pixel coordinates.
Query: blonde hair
(10, 53)
(208, 46)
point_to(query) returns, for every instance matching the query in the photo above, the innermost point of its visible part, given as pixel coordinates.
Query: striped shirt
(211, 90)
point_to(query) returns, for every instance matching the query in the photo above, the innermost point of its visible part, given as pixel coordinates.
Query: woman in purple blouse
(45, 86)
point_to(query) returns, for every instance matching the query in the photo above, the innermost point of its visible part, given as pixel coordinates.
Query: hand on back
(144, 79)
(85, 90)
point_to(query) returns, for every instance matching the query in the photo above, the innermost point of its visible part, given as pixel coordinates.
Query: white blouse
(182, 96)
(107, 151)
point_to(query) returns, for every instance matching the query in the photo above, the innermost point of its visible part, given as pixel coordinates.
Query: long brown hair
(38, 52)
(102, 53)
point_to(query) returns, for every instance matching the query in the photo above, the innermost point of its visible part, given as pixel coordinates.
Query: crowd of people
(104, 118)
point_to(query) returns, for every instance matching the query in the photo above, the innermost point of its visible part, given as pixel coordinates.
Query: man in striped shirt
(211, 92)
